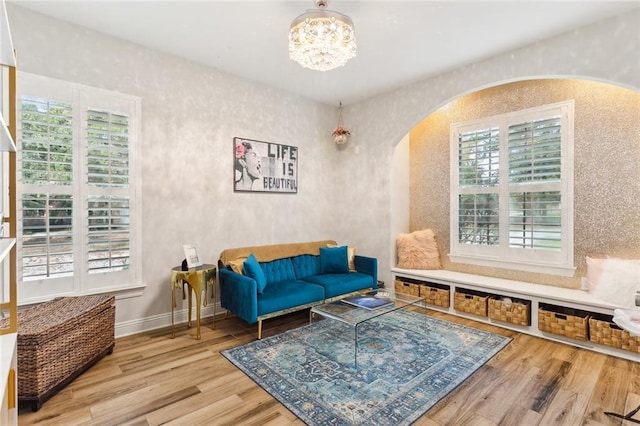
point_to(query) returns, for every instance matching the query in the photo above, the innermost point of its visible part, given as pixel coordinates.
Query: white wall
(400, 196)
(191, 113)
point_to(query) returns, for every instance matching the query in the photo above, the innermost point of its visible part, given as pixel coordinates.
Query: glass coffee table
(357, 310)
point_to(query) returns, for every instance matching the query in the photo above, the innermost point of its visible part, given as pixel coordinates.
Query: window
(512, 190)
(78, 186)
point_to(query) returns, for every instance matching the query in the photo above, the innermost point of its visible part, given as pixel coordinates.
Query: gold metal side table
(197, 280)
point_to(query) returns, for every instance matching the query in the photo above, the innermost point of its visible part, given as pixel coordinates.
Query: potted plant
(340, 135)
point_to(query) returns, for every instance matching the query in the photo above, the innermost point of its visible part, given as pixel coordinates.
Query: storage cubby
(433, 294)
(470, 301)
(604, 331)
(565, 315)
(407, 286)
(511, 310)
(563, 321)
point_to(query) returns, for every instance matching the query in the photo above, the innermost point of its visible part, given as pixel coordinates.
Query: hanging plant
(340, 134)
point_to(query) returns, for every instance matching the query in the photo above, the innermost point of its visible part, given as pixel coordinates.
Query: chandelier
(322, 39)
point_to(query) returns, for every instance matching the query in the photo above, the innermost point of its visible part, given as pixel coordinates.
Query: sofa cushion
(306, 265)
(334, 260)
(252, 269)
(351, 255)
(337, 284)
(278, 270)
(282, 295)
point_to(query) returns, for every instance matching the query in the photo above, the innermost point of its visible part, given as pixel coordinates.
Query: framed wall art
(264, 166)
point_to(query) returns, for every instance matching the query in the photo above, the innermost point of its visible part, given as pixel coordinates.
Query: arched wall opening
(606, 168)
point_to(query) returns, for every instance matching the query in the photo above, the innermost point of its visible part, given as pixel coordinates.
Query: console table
(197, 279)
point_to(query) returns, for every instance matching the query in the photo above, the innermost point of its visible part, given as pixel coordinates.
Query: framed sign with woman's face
(264, 166)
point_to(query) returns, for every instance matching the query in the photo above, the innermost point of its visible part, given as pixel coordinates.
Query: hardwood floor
(151, 379)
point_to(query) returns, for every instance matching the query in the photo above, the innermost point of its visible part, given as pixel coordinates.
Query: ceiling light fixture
(322, 39)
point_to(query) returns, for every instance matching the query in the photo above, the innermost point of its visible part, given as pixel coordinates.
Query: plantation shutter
(79, 226)
(478, 177)
(108, 230)
(535, 220)
(108, 149)
(535, 151)
(511, 188)
(479, 157)
(535, 157)
(47, 176)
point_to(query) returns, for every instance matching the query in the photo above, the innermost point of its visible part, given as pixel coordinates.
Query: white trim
(502, 255)
(120, 292)
(84, 98)
(542, 268)
(140, 325)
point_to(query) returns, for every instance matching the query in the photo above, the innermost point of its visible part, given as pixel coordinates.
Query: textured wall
(608, 51)
(606, 161)
(191, 113)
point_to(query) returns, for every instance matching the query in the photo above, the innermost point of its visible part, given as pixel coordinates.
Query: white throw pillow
(618, 282)
(594, 270)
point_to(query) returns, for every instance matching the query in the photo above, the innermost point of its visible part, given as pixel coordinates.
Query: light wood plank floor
(151, 379)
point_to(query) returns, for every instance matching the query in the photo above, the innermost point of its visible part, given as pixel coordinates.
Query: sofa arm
(367, 265)
(239, 294)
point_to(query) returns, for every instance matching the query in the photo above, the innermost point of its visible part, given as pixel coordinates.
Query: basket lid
(58, 312)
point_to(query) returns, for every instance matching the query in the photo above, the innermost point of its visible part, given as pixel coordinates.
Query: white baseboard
(139, 325)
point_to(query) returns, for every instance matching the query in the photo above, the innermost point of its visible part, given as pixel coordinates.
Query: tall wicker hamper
(58, 341)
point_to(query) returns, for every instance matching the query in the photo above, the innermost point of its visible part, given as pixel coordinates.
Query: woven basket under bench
(58, 341)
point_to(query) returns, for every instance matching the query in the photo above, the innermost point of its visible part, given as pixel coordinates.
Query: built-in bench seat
(539, 298)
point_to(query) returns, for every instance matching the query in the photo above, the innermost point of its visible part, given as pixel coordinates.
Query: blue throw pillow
(252, 269)
(334, 260)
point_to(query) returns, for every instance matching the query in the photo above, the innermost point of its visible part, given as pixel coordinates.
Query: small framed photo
(191, 254)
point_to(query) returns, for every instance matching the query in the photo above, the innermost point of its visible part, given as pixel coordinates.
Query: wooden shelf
(8, 363)
(8, 340)
(6, 141)
(6, 244)
(7, 54)
(8, 344)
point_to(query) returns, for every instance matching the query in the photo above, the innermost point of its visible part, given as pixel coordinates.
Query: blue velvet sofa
(290, 277)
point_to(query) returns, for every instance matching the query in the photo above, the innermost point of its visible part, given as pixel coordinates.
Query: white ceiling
(399, 42)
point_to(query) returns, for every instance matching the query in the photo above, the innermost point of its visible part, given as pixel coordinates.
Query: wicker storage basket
(572, 323)
(438, 295)
(469, 301)
(604, 331)
(405, 287)
(58, 341)
(516, 312)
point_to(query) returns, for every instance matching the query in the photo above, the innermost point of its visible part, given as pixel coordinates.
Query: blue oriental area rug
(404, 367)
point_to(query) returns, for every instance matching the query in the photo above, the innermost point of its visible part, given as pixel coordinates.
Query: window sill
(125, 292)
(559, 270)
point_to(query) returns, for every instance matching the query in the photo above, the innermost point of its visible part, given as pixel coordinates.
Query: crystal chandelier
(322, 39)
